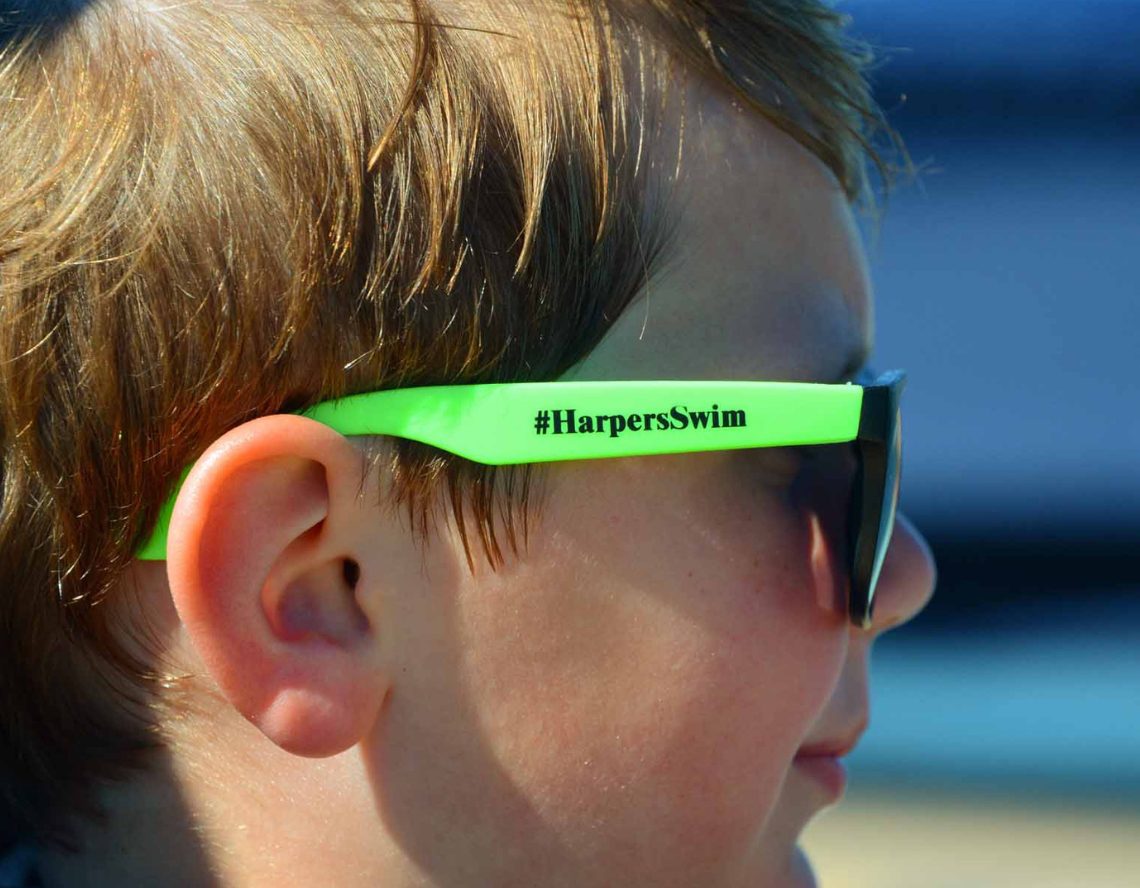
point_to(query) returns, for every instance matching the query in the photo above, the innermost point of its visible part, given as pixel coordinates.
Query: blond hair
(214, 211)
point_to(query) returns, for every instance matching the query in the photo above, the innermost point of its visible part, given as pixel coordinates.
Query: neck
(146, 835)
(212, 821)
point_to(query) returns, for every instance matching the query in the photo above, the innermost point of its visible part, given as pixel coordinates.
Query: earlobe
(264, 563)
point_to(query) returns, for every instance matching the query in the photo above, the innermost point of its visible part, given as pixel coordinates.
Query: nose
(907, 580)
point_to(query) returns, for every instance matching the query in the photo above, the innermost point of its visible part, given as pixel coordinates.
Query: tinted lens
(889, 507)
(825, 486)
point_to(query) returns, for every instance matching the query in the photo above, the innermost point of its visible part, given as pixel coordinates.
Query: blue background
(1008, 285)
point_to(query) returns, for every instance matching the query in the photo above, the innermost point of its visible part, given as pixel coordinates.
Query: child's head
(214, 212)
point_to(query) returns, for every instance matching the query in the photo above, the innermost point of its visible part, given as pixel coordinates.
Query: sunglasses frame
(874, 491)
(537, 422)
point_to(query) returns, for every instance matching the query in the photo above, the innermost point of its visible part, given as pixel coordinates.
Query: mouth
(827, 771)
(822, 761)
(837, 745)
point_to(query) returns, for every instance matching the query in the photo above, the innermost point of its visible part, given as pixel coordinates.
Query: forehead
(765, 276)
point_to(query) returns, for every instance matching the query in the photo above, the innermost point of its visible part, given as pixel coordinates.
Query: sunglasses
(537, 422)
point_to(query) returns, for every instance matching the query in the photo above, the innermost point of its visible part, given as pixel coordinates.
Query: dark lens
(890, 505)
(824, 488)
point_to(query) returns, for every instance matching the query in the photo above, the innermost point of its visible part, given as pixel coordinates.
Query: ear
(272, 565)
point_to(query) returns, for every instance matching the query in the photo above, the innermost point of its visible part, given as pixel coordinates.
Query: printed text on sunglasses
(569, 422)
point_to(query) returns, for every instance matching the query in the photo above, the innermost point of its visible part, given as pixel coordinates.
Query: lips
(825, 771)
(821, 759)
(836, 745)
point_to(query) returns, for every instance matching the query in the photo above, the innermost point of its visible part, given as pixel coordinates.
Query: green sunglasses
(536, 422)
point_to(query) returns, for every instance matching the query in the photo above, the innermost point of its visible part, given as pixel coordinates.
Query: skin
(710, 649)
(620, 705)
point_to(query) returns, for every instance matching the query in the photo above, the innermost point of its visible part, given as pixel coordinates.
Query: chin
(796, 873)
(801, 874)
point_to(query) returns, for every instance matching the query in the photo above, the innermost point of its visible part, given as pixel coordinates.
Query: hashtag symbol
(542, 422)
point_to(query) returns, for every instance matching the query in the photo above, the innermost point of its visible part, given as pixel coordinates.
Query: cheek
(646, 674)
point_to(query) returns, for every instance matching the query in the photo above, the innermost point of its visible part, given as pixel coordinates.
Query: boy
(355, 659)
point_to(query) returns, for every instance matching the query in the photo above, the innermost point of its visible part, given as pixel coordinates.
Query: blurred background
(1005, 744)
